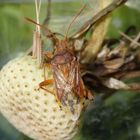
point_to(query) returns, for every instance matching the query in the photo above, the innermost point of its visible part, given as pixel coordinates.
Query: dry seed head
(33, 111)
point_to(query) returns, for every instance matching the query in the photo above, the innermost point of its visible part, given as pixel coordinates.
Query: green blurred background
(117, 117)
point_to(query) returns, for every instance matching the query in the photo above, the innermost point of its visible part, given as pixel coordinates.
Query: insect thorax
(63, 57)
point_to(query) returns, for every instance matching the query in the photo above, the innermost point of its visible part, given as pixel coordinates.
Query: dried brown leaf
(114, 64)
(115, 84)
(119, 51)
(102, 55)
(135, 86)
(98, 35)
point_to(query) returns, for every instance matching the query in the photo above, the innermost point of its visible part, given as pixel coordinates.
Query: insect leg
(48, 82)
(49, 55)
(45, 83)
(46, 64)
(88, 94)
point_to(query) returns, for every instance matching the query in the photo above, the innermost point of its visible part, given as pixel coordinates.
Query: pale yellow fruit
(33, 111)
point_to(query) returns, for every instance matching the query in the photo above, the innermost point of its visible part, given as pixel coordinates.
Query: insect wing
(68, 83)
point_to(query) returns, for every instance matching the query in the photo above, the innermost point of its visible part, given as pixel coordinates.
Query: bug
(65, 65)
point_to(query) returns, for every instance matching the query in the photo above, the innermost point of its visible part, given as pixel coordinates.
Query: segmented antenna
(75, 17)
(48, 33)
(48, 15)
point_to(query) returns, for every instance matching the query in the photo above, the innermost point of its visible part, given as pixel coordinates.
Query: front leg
(45, 83)
(48, 82)
(88, 94)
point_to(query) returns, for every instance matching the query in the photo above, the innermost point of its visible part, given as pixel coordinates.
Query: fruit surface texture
(33, 111)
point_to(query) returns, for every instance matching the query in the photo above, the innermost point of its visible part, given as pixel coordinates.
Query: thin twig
(37, 41)
(135, 40)
(98, 17)
(38, 6)
(129, 38)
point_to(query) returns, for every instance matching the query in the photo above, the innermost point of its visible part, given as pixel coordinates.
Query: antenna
(83, 7)
(49, 34)
(48, 13)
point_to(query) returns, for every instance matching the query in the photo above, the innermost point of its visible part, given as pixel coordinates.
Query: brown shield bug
(69, 86)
